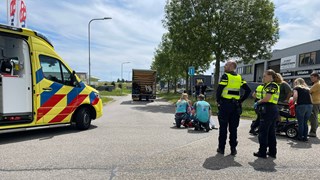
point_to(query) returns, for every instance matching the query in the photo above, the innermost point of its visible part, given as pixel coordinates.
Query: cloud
(299, 22)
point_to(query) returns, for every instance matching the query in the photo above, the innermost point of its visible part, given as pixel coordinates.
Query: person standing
(302, 99)
(229, 102)
(285, 91)
(257, 94)
(315, 97)
(269, 113)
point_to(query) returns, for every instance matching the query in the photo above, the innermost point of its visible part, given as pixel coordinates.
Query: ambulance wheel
(83, 119)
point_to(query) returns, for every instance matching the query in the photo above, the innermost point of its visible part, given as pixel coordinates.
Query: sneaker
(213, 127)
(311, 134)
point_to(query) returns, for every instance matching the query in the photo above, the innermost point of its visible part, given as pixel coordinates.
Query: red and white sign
(17, 13)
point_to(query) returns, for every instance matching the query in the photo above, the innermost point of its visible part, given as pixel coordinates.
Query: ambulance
(37, 88)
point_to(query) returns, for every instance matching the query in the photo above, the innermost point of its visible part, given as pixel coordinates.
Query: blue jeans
(303, 113)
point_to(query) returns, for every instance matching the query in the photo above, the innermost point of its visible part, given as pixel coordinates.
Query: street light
(122, 73)
(95, 19)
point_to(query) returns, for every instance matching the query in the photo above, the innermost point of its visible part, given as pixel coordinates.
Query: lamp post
(95, 19)
(122, 74)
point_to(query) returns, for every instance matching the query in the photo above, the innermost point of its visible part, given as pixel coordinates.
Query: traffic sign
(191, 71)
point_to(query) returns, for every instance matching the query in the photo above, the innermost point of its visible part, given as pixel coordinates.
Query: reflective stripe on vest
(232, 89)
(275, 97)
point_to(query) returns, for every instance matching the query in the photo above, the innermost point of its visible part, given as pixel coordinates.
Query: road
(136, 140)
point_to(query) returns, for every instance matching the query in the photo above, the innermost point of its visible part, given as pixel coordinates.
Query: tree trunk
(216, 75)
(187, 81)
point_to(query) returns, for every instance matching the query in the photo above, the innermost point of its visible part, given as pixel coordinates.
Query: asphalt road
(136, 140)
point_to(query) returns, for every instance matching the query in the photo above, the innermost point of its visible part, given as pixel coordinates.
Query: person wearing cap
(229, 102)
(202, 113)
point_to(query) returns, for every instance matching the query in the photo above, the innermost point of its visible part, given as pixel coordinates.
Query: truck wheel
(83, 119)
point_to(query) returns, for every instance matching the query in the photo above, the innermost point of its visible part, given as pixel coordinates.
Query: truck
(38, 89)
(143, 84)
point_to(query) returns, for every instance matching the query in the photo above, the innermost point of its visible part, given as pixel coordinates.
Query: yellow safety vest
(259, 92)
(232, 88)
(275, 97)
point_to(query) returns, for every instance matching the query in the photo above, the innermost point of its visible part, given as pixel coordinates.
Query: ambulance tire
(83, 119)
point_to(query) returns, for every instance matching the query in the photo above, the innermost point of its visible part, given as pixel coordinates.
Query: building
(291, 63)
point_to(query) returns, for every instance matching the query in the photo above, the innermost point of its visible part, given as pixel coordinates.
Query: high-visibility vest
(275, 96)
(232, 88)
(259, 92)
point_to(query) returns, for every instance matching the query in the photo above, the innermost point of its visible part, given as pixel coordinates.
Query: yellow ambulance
(37, 88)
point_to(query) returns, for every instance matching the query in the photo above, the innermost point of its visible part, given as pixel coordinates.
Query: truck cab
(38, 88)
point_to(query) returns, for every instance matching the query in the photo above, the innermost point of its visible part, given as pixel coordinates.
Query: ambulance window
(55, 71)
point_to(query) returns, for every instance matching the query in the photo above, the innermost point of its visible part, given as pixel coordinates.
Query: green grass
(105, 99)
(115, 92)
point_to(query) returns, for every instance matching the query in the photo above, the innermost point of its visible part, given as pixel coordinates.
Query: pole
(95, 19)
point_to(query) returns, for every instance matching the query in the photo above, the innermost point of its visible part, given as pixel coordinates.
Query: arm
(246, 93)
(295, 95)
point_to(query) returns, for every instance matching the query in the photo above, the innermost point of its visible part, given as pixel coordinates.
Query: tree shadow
(40, 134)
(264, 165)
(220, 161)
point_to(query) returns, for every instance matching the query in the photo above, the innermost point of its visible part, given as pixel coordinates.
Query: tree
(187, 48)
(245, 29)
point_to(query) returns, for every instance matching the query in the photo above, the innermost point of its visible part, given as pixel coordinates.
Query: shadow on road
(41, 134)
(219, 162)
(264, 165)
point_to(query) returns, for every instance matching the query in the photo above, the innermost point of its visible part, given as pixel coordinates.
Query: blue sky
(135, 30)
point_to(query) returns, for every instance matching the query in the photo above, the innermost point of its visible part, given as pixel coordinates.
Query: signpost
(191, 73)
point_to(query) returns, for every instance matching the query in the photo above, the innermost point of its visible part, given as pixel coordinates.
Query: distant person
(301, 95)
(315, 97)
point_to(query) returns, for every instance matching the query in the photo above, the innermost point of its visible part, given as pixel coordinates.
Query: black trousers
(229, 116)
(267, 132)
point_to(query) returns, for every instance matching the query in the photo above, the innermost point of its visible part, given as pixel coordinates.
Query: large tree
(246, 29)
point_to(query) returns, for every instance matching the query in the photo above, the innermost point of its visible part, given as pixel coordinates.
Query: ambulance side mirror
(74, 79)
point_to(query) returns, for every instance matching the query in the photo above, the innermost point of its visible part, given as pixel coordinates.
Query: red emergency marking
(66, 111)
(95, 101)
(46, 107)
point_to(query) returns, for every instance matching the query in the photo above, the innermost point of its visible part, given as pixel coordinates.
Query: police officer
(257, 94)
(229, 104)
(268, 115)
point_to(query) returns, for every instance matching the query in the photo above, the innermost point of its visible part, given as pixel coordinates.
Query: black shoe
(233, 151)
(253, 132)
(271, 155)
(257, 154)
(220, 151)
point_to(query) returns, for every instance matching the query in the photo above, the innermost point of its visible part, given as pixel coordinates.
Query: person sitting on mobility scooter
(181, 110)
(203, 114)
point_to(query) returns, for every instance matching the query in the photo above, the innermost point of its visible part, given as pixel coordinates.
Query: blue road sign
(191, 71)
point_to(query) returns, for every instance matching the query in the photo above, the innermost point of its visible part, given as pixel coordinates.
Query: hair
(201, 96)
(280, 77)
(315, 74)
(184, 96)
(299, 82)
(233, 63)
(274, 75)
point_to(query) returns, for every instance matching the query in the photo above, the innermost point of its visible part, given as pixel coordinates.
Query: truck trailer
(143, 84)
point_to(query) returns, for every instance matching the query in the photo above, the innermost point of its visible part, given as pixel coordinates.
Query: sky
(135, 30)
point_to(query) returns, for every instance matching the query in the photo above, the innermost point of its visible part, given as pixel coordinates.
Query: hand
(255, 105)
